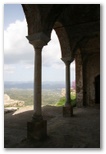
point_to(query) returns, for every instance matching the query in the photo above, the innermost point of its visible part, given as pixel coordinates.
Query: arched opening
(97, 89)
(63, 39)
(69, 92)
(53, 74)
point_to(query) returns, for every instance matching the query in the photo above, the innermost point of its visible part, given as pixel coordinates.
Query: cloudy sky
(19, 54)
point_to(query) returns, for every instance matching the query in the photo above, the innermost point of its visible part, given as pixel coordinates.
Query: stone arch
(33, 18)
(91, 40)
(63, 39)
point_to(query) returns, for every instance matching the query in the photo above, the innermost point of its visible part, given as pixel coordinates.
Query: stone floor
(80, 131)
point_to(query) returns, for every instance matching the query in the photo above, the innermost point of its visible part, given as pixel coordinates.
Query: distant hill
(30, 85)
(18, 85)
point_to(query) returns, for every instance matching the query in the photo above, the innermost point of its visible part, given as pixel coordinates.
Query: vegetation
(73, 100)
(49, 97)
(21, 94)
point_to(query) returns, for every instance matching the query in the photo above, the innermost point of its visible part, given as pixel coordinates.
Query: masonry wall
(92, 66)
(94, 70)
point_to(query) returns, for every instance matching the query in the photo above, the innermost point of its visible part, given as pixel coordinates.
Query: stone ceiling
(76, 25)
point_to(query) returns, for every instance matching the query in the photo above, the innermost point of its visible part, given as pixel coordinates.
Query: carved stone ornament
(38, 40)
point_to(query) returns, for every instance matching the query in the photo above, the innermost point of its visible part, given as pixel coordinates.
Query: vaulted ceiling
(76, 25)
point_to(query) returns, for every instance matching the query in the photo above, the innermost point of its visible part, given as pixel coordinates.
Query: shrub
(62, 100)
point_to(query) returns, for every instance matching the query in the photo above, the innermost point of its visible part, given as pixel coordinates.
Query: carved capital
(67, 60)
(38, 40)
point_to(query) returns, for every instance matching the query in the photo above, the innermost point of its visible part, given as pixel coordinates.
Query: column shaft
(37, 82)
(68, 100)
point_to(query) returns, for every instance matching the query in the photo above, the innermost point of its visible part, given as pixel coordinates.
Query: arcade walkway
(80, 131)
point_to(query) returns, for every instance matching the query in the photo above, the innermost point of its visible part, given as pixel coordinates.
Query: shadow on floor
(80, 131)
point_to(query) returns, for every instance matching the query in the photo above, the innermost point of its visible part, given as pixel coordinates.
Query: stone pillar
(79, 80)
(67, 108)
(68, 99)
(37, 128)
(37, 83)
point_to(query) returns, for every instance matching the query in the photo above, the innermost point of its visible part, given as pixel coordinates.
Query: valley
(49, 97)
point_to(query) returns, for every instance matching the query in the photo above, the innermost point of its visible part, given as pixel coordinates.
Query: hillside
(49, 96)
(8, 102)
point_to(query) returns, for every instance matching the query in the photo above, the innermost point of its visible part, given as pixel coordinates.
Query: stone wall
(93, 69)
(86, 71)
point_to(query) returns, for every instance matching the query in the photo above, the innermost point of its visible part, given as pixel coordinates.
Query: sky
(19, 54)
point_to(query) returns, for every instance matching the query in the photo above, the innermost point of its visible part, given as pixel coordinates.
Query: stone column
(67, 108)
(68, 99)
(37, 84)
(37, 127)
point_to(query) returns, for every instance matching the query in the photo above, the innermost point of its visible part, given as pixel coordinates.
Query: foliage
(62, 100)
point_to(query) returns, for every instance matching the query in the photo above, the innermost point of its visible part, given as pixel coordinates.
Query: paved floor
(80, 131)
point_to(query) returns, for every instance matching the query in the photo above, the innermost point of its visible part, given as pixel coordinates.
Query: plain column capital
(38, 40)
(67, 60)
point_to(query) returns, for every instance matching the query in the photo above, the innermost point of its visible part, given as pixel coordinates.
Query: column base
(67, 111)
(37, 130)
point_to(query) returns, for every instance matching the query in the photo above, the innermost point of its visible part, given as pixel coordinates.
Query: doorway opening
(97, 89)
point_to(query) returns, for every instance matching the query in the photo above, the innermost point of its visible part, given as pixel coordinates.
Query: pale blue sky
(12, 13)
(19, 54)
